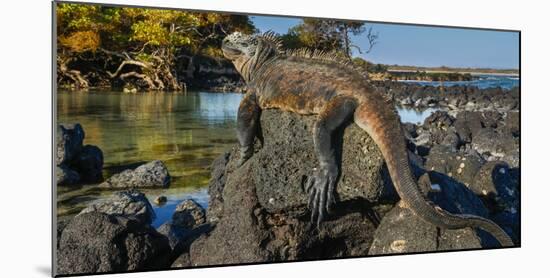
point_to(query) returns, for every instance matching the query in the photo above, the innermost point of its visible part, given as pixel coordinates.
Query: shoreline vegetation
(134, 49)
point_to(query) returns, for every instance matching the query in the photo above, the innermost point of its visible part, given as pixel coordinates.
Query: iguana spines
(273, 41)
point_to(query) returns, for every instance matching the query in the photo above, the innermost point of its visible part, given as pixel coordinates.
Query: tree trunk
(190, 71)
(347, 48)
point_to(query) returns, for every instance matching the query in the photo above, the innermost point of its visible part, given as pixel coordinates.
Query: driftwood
(155, 74)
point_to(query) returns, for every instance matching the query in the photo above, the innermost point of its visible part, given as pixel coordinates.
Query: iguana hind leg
(321, 185)
(248, 118)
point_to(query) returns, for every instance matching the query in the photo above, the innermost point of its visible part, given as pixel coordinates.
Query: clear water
(481, 81)
(185, 131)
(414, 116)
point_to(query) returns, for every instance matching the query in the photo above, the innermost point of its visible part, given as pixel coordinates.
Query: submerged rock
(152, 174)
(131, 204)
(97, 242)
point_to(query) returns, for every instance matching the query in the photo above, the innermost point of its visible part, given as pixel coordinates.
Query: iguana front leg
(321, 185)
(248, 118)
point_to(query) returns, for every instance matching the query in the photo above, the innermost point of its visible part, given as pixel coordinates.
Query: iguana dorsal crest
(333, 56)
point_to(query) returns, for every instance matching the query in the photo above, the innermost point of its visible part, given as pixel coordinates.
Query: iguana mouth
(229, 52)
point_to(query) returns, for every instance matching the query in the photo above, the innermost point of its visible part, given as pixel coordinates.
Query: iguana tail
(382, 123)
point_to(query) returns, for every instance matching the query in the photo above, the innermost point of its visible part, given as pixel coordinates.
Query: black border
(54, 123)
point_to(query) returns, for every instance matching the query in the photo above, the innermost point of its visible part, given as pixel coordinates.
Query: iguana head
(249, 52)
(238, 46)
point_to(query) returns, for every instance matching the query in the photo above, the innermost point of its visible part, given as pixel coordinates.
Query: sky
(425, 46)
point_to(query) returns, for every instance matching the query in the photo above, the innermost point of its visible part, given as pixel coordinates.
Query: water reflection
(218, 107)
(185, 131)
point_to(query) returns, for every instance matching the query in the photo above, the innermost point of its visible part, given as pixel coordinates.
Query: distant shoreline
(455, 71)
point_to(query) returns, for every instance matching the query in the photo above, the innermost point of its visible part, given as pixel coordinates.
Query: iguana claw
(320, 187)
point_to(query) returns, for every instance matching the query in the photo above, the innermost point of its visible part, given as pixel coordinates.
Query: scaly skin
(318, 84)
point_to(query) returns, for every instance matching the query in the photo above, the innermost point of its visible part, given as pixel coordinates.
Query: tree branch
(127, 62)
(372, 39)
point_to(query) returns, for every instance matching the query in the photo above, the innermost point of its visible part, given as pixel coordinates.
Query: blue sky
(425, 46)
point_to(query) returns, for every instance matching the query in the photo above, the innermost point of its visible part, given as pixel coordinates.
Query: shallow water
(414, 115)
(185, 131)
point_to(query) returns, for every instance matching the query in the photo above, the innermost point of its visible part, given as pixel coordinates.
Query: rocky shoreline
(264, 202)
(458, 97)
(407, 94)
(258, 212)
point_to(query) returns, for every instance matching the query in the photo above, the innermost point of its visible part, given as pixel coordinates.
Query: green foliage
(83, 27)
(323, 34)
(154, 46)
(76, 17)
(77, 27)
(432, 76)
(160, 27)
(378, 68)
(368, 66)
(81, 41)
(360, 62)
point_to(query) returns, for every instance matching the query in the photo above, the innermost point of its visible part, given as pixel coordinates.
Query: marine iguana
(318, 83)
